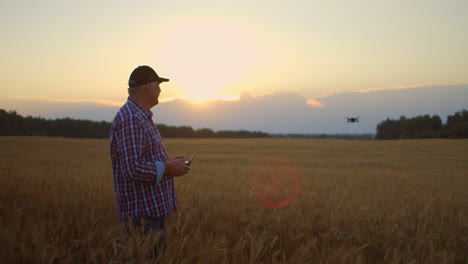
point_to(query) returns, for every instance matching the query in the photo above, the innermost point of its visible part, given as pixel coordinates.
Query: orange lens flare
(275, 182)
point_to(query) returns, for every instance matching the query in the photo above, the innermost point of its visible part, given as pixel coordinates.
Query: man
(143, 174)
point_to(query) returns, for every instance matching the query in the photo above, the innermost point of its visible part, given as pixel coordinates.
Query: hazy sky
(85, 50)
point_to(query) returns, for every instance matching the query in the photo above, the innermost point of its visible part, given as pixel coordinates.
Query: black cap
(143, 75)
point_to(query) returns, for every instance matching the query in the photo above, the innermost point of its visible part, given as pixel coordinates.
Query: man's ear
(148, 88)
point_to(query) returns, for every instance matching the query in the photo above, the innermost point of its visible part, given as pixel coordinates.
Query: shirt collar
(148, 113)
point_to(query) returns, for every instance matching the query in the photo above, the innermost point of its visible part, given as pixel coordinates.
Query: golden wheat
(402, 201)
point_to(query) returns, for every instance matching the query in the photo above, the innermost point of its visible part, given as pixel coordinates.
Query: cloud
(54, 100)
(314, 103)
(329, 94)
(392, 88)
(401, 87)
(58, 108)
(282, 112)
(292, 113)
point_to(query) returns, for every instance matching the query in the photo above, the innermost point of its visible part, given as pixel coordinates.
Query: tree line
(13, 124)
(424, 126)
(326, 136)
(189, 132)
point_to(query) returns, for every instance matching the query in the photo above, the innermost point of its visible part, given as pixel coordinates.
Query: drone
(353, 119)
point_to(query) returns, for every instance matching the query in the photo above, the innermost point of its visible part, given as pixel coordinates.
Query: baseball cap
(143, 75)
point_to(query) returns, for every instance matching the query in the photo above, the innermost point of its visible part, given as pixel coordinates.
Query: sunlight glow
(205, 59)
(202, 98)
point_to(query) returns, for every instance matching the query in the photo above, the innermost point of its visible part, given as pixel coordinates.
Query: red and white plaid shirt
(137, 154)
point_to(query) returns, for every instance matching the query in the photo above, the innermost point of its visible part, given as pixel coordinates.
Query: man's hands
(176, 167)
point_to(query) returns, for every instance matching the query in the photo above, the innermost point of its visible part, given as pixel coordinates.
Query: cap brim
(163, 79)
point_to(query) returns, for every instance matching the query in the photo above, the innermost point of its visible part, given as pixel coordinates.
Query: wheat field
(403, 201)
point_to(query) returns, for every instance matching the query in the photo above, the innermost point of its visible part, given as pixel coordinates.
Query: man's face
(155, 92)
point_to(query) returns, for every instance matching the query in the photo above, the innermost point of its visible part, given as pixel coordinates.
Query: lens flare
(275, 182)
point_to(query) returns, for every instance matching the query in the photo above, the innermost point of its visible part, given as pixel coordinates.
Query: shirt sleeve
(132, 139)
(161, 168)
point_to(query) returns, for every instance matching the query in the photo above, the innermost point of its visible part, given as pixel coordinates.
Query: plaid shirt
(137, 154)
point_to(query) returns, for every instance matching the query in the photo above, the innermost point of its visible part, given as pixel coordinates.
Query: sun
(205, 58)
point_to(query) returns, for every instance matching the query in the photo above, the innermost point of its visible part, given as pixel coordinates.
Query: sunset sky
(85, 50)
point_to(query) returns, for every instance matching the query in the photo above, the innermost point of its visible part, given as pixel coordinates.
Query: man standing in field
(143, 174)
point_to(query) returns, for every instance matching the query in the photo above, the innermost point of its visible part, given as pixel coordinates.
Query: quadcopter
(353, 119)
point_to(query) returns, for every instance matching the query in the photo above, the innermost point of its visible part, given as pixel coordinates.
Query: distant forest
(13, 124)
(424, 127)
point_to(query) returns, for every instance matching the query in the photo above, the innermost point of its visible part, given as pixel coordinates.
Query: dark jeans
(146, 226)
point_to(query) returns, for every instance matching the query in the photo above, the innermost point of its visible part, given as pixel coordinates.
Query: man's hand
(176, 167)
